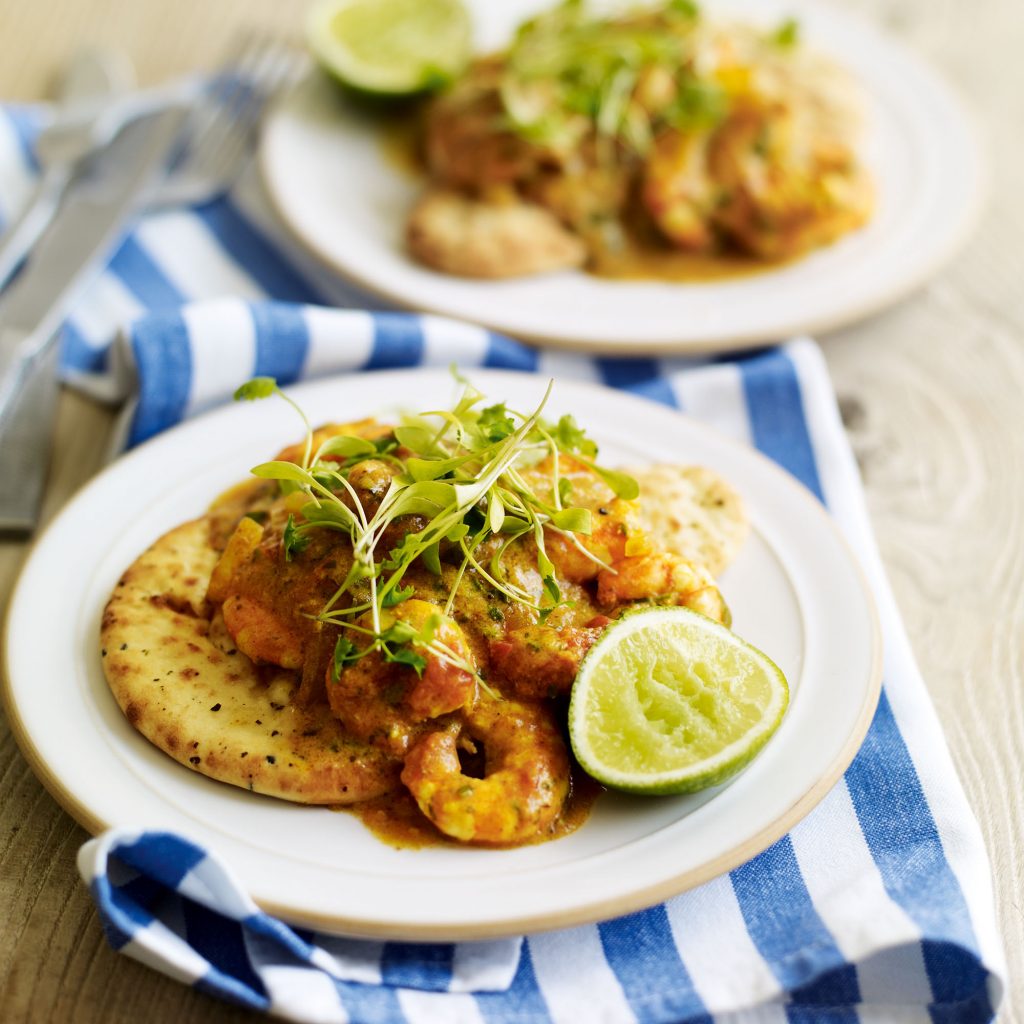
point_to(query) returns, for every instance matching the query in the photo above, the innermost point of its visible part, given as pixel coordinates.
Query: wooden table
(931, 393)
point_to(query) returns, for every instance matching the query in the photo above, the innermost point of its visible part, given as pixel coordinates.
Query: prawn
(661, 576)
(616, 528)
(541, 661)
(678, 190)
(616, 533)
(256, 629)
(525, 782)
(444, 686)
(377, 698)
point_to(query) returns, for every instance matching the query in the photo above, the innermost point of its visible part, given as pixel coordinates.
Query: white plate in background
(328, 175)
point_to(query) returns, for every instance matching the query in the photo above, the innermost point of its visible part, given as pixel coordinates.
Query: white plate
(795, 591)
(328, 176)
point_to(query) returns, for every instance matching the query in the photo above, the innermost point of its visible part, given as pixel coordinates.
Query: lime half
(390, 47)
(669, 701)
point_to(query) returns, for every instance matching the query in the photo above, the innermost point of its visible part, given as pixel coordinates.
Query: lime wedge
(670, 701)
(390, 47)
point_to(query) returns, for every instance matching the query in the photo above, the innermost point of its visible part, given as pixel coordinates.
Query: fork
(222, 128)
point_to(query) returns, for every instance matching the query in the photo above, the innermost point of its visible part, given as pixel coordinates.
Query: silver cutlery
(96, 101)
(223, 125)
(90, 221)
(91, 77)
(118, 182)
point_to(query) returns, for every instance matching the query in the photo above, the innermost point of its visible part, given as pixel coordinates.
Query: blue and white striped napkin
(878, 905)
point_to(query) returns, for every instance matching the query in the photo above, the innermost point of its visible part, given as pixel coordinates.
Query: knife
(90, 222)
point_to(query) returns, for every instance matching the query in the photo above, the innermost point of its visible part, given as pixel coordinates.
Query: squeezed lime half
(670, 701)
(390, 47)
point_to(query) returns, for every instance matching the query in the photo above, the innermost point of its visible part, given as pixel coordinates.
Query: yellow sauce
(401, 144)
(639, 262)
(395, 819)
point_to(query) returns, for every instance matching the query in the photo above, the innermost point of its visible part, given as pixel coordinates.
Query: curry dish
(605, 142)
(400, 610)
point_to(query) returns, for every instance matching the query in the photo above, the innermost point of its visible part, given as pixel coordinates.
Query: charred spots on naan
(120, 669)
(175, 603)
(193, 665)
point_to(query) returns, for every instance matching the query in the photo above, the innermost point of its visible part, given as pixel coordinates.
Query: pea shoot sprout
(459, 472)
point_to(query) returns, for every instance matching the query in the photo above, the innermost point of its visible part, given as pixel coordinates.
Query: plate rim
(504, 926)
(968, 215)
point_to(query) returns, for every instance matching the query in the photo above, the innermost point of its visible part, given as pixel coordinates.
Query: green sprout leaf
(329, 514)
(544, 564)
(397, 596)
(495, 513)
(787, 35)
(699, 105)
(514, 525)
(417, 439)
(345, 446)
(424, 498)
(457, 532)
(255, 389)
(495, 422)
(432, 558)
(400, 632)
(293, 541)
(622, 484)
(573, 520)
(431, 469)
(571, 438)
(283, 471)
(685, 7)
(408, 656)
(345, 653)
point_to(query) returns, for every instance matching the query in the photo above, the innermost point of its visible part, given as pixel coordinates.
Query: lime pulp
(390, 47)
(669, 701)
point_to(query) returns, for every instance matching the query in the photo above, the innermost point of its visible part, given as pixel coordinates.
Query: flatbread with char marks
(179, 682)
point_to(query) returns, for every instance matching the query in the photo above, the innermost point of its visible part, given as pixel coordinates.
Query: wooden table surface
(931, 393)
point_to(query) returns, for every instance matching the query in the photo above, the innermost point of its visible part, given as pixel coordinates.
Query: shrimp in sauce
(475, 714)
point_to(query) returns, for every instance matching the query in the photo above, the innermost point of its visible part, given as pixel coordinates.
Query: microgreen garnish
(495, 422)
(571, 75)
(264, 387)
(685, 7)
(571, 439)
(459, 472)
(344, 654)
(258, 387)
(294, 541)
(397, 597)
(787, 35)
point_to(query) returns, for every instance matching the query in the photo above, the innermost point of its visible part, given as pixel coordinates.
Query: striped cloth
(878, 905)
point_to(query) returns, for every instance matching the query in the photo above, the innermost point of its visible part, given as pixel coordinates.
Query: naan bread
(181, 684)
(693, 512)
(471, 238)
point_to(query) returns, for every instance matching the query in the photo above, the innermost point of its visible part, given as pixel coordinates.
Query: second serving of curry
(655, 142)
